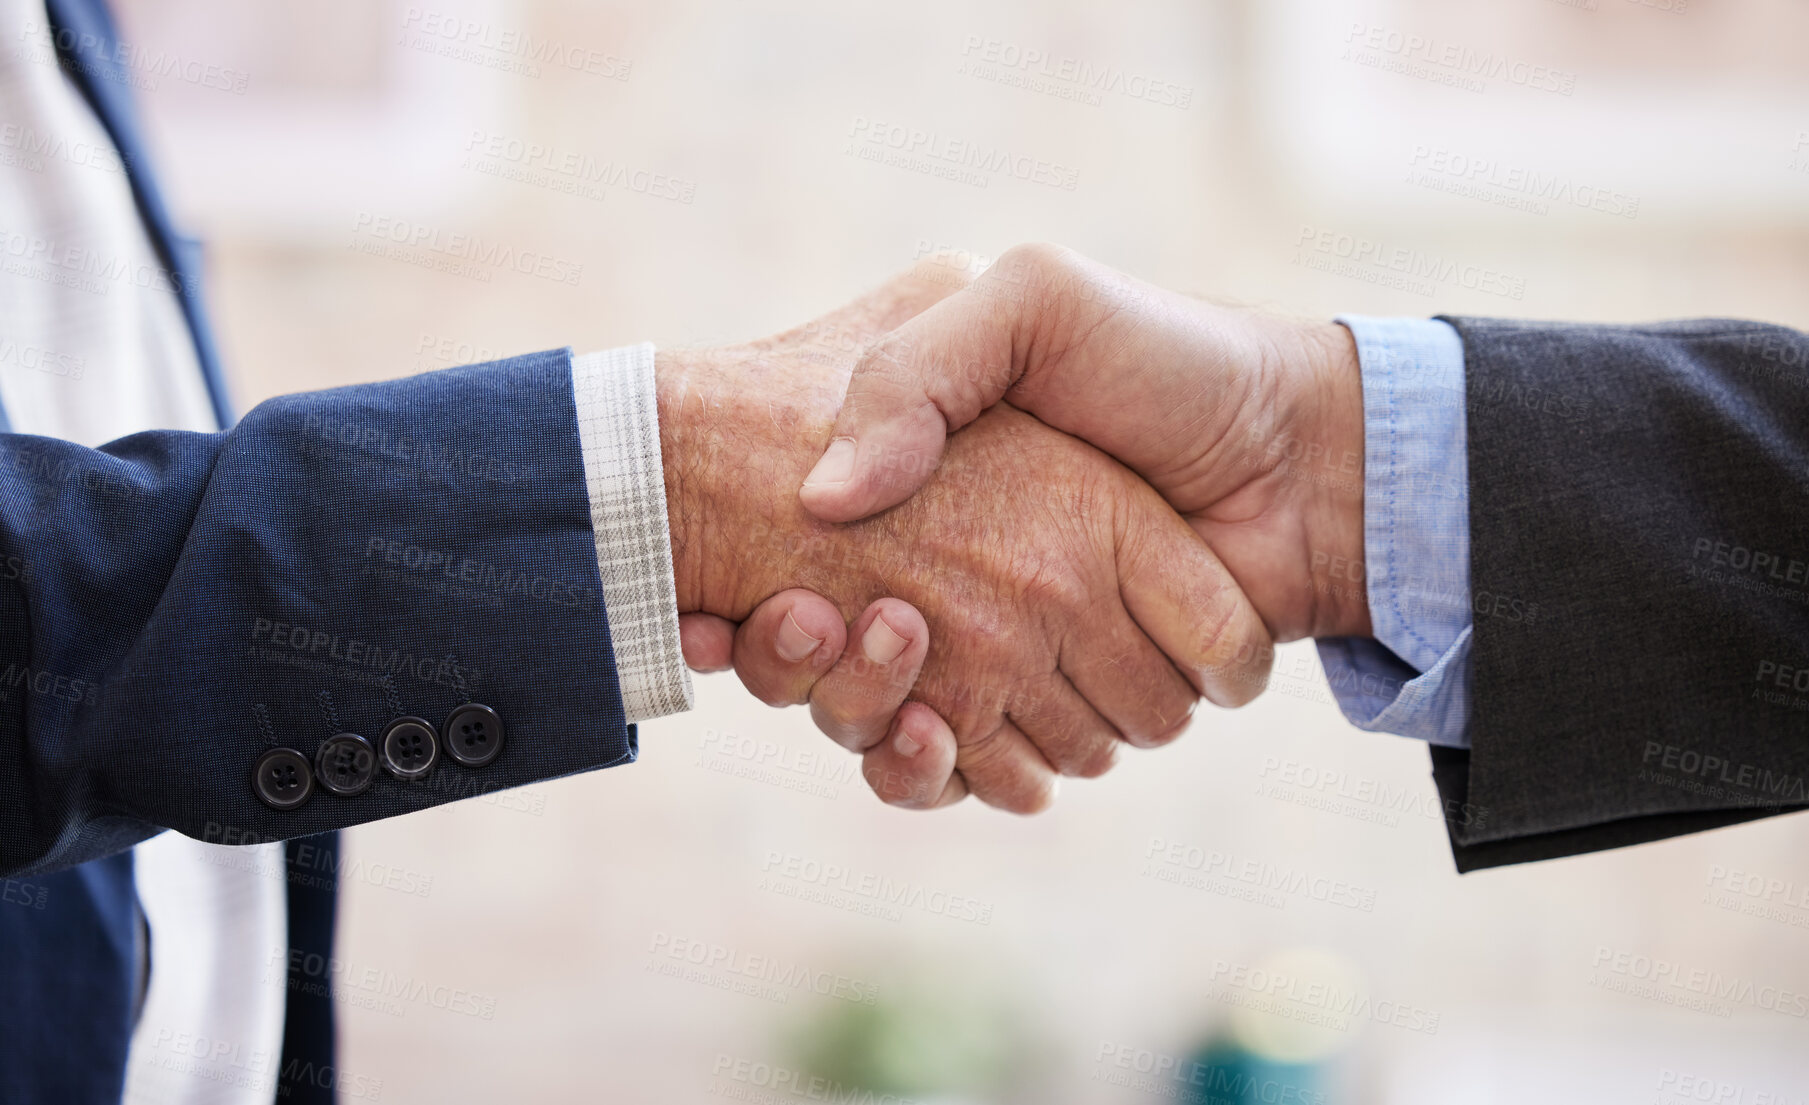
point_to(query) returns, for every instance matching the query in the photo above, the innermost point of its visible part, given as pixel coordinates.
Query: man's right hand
(1250, 425)
(1070, 606)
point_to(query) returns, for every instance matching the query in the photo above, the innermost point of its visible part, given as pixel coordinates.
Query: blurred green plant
(924, 1043)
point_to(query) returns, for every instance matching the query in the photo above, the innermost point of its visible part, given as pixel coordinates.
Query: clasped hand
(1100, 500)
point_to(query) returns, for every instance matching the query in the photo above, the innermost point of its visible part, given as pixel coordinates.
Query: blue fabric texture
(1413, 677)
(69, 960)
(179, 602)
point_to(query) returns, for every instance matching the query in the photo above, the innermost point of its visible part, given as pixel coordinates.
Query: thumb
(910, 390)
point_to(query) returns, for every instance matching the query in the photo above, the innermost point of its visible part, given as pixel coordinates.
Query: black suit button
(282, 779)
(346, 764)
(409, 748)
(474, 734)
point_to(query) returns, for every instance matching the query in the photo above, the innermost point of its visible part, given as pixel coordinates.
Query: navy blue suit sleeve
(173, 605)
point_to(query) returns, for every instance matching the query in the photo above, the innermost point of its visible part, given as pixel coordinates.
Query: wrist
(1333, 518)
(737, 436)
(683, 453)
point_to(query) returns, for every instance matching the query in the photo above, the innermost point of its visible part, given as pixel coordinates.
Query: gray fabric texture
(1639, 518)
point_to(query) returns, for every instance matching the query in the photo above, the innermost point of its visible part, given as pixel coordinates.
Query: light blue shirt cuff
(1413, 677)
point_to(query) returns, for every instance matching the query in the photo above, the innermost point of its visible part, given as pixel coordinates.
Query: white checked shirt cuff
(618, 429)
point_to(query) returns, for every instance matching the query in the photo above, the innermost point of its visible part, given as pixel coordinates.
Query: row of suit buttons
(346, 763)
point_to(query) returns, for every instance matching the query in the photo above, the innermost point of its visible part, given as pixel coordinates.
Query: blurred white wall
(719, 196)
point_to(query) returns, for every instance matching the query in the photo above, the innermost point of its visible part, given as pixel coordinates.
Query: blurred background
(1264, 911)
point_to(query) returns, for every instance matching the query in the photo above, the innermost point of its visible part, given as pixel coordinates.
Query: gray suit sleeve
(1639, 519)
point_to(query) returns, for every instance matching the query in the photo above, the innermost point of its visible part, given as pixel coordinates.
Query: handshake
(991, 527)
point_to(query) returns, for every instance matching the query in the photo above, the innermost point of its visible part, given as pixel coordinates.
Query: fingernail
(793, 643)
(905, 745)
(836, 465)
(881, 642)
